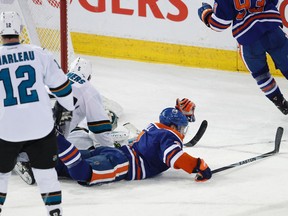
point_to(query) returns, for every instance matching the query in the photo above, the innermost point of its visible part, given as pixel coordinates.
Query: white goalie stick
(198, 135)
(277, 143)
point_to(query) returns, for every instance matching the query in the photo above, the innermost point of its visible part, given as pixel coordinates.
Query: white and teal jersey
(89, 105)
(25, 108)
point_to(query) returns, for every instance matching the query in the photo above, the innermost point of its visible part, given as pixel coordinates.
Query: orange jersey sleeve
(186, 162)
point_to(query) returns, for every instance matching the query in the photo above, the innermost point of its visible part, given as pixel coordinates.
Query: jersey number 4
(25, 96)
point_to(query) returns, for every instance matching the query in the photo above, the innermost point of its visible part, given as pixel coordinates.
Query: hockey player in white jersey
(88, 106)
(90, 124)
(26, 119)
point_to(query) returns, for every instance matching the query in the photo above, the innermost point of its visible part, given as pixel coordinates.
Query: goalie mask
(10, 23)
(172, 116)
(81, 67)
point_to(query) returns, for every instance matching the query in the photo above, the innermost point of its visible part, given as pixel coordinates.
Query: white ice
(241, 124)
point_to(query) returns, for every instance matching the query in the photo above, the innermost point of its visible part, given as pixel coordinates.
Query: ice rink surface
(241, 124)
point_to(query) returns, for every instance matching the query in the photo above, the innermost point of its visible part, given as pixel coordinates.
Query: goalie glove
(203, 171)
(205, 13)
(187, 107)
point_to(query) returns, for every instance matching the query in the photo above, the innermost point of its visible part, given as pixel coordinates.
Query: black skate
(281, 104)
(55, 212)
(24, 170)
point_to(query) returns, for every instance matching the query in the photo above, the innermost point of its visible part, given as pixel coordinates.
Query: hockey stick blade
(198, 135)
(278, 138)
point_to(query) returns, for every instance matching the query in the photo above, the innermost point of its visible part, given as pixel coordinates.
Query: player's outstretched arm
(194, 165)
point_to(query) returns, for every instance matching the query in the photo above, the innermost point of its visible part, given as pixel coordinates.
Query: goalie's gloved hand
(187, 107)
(205, 12)
(203, 171)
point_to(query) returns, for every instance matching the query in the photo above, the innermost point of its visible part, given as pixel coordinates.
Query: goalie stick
(198, 135)
(277, 142)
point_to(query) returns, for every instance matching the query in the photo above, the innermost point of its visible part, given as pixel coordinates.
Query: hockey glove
(187, 107)
(203, 171)
(62, 118)
(205, 12)
(61, 115)
(66, 117)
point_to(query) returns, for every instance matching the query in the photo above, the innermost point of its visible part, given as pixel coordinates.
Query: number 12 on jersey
(26, 94)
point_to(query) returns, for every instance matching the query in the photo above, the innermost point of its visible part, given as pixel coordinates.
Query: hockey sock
(268, 85)
(2, 200)
(79, 169)
(4, 177)
(49, 186)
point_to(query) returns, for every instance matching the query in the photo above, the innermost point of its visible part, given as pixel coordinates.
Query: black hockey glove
(62, 118)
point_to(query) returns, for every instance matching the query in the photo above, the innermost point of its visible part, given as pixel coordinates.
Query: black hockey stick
(198, 135)
(278, 138)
